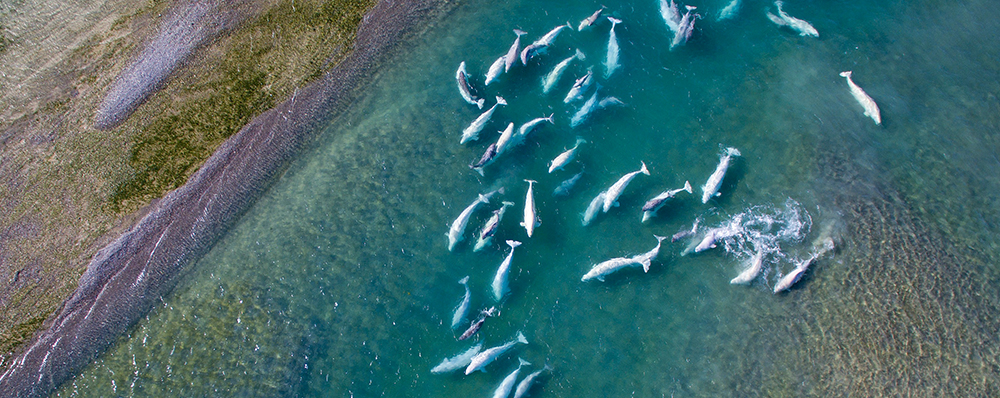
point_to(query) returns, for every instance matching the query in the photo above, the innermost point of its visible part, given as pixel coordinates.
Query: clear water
(339, 283)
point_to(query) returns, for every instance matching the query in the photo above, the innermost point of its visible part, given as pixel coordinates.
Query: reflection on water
(339, 281)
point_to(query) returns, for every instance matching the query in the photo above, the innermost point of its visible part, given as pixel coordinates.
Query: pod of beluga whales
(756, 234)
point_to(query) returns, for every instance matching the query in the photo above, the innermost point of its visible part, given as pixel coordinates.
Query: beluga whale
(871, 109)
(464, 88)
(471, 133)
(490, 228)
(711, 187)
(825, 245)
(530, 213)
(653, 205)
(463, 307)
(505, 387)
(616, 189)
(752, 270)
(729, 11)
(783, 19)
(458, 361)
(580, 87)
(685, 27)
(591, 20)
(542, 44)
(611, 266)
(511, 55)
(567, 184)
(499, 284)
(495, 70)
(611, 59)
(478, 323)
(486, 357)
(552, 78)
(564, 158)
(594, 208)
(457, 230)
(525, 385)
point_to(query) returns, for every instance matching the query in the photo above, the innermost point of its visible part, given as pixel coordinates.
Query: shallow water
(339, 282)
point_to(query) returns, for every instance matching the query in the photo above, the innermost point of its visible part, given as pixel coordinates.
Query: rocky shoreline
(126, 278)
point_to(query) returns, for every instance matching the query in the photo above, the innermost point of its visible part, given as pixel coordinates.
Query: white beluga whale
(489, 355)
(462, 78)
(580, 87)
(567, 184)
(499, 284)
(507, 385)
(527, 128)
(783, 19)
(530, 213)
(463, 307)
(552, 78)
(752, 270)
(458, 361)
(495, 70)
(511, 55)
(786, 282)
(594, 208)
(685, 27)
(871, 109)
(525, 385)
(542, 44)
(608, 267)
(490, 228)
(611, 60)
(653, 205)
(711, 187)
(588, 108)
(505, 138)
(457, 230)
(729, 11)
(564, 158)
(591, 20)
(671, 15)
(611, 198)
(471, 133)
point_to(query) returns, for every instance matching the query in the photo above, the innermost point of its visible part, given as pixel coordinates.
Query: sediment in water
(126, 278)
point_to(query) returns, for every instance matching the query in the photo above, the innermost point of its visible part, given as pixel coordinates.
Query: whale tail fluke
(687, 187)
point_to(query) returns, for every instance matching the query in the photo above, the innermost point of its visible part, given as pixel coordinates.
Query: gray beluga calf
(871, 109)
(711, 187)
(542, 44)
(530, 213)
(594, 208)
(486, 357)
(499, 284)
(495, 70)
(490, 228)
(790, 279)
(525, 385)
(462, 77)
(591, 20)
(564, 158)
(611, 60)
(511, 56)
(783, 19)
(567, 184)
(685, 28)
(611, 198)
(463, 307)
(751, 272)
(457, 230)
(505, 387)
(608, 267)
(714, 235)
(550, 79)
(471, 133)
(458, 361)
(653, 205)
(491, 152)
(729, 11)
(579, 87)
(478, 323)
(686, 232)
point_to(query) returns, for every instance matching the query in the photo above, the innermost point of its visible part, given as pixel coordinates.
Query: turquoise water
(339, 282)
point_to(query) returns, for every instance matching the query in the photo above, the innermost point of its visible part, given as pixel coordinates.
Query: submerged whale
(871, 109)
